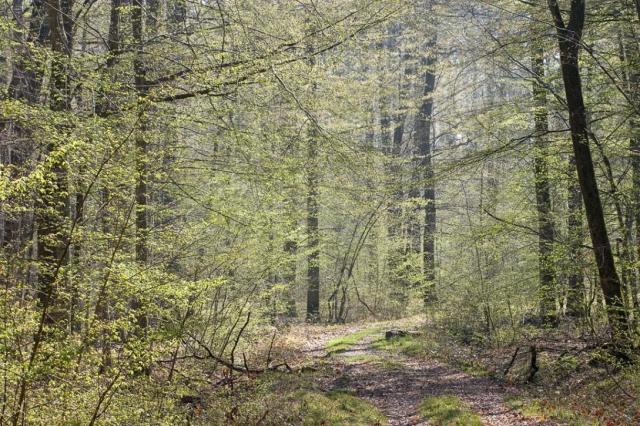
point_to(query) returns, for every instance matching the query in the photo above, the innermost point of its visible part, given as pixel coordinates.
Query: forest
(320, 212)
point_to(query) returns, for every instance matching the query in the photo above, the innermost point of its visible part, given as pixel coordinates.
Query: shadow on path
(397, 384)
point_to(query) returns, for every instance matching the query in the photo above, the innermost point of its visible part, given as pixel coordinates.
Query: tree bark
(424, 122)
(313, 211)
(546, 232)
(141, 145)
(52, 207)
(569, 39)
(113, 45)
(313, 232)
(25, 84)
(631, 55)
(575, 280)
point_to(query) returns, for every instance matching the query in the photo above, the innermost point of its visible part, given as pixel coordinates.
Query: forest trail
(397, 384)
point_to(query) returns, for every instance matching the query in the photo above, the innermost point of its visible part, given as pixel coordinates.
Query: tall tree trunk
(631, 55)
(27, 73)
(113, 45)
(424, 122)
(104, 106)
(575, 280)
(52, 207)
(313, 211)
(25, 84)
(569, 39)
(546, 232)
(313, 232)
(634, 148)
(141, 145)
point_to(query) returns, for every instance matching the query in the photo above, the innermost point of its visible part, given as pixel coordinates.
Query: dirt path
(397, 384)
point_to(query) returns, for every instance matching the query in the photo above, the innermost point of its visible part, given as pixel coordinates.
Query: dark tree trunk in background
(543, 188)
(401, 227)
(52, 206)
(141, 145)
(631, 55)
(25, 85)
(424, 122)
(313, 211)
(27, 74)
(313, 231)
(569, 38)
(635, 165)
(103, 103)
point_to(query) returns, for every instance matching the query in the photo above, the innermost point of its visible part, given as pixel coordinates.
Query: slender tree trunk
(634, 148)
(313, 211)
(424, 122)
(387, 137)
(631, 55)
(575, 280)
(113, 45)
(141, 145)
(543, 188)
(569, 39)
(103, 107)
(52, 207)
(313, 232)
(28, 72)
(25, 84)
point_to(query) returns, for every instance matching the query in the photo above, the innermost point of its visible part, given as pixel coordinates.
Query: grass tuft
(338, 408)
(448, 411)
(408, 345)
(547, 410)
(345, 343)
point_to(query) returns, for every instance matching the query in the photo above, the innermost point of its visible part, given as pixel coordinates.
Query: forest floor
(407, 387)
(352, 375)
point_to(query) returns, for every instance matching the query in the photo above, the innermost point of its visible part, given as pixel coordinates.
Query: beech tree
(569, 39)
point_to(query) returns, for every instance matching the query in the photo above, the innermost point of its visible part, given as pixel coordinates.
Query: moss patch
(448, 411)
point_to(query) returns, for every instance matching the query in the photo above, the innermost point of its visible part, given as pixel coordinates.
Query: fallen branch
(513, 360)
(244, 369)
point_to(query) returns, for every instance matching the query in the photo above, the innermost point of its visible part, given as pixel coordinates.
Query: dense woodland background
(182, 179)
